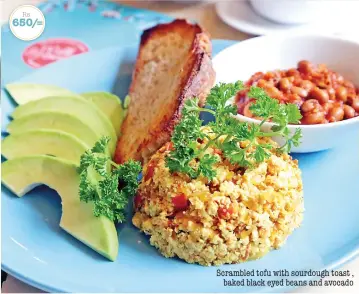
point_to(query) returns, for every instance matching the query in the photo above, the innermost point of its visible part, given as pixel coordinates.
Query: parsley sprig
(228, 132)
(101, 178)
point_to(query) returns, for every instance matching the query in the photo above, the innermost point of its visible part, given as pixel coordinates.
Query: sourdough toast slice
(173, 64)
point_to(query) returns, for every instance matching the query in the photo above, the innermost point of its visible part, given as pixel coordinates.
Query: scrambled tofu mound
(240, 215)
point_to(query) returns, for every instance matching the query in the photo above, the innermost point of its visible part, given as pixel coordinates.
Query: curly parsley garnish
(188, 131)
(100, 179)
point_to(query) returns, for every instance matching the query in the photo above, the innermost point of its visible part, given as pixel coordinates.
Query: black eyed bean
(321, 95)
(307, 85)
(336, 114)
(292, 73)
(327, 106)
(285, 84)
(273, 92)
(355, 104)
(305, 67)
(311, 105)
(349, 111)
(300, 91)
(314, 118)
(341, 93)
(331, 93)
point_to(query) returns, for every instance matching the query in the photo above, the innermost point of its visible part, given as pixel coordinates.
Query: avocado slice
(53, 120)
(43, 141)
(25, 92)
(21, 174)
(77, 106)
(110, 105)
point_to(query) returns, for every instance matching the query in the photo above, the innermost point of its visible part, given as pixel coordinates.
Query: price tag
(27, 22)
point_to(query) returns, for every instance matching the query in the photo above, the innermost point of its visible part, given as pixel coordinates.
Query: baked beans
(322, 95)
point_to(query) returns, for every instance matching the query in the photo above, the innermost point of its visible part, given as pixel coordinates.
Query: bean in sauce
(322, 95)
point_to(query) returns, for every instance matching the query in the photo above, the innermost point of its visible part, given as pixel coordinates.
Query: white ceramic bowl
(241, 60)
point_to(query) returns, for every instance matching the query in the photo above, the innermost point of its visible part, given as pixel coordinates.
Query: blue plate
(38, 252)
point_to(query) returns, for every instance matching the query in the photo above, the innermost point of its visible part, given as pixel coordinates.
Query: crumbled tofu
(234, 218)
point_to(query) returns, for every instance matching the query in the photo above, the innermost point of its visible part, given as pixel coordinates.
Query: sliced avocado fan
(21, 174)
(25, 92)
(83, 109)
(108, 103)
(43, 141)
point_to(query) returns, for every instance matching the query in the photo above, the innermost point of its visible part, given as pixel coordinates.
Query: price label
(27, 22)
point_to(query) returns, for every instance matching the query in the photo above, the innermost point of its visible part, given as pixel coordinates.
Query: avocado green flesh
(43, 141)
(85, 110)
(25, 92)
(56, 121)
(21, 174)
(110, 105)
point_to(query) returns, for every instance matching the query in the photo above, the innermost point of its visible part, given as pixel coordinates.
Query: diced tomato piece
(150, 170)
(169, 146)
(180, 202)
(137, 200)
(224, 212)
(172, 224)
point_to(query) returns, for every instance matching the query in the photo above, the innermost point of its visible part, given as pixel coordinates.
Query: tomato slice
(180, 202)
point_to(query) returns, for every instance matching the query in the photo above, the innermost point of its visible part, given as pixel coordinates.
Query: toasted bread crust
(197, 80)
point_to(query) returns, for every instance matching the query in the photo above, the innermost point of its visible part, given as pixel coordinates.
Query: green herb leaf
(221, 93)
(188, 132)
(109, 189)
(206, 166)
(294, 115)
(101, 145)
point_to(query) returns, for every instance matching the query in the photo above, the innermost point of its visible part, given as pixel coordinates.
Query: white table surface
(12, 285)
